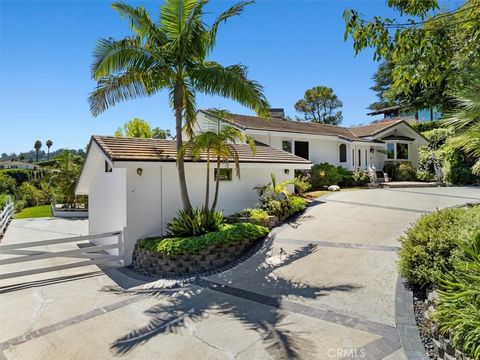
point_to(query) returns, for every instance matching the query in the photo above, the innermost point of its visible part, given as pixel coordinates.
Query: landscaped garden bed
(180, 255)
(440, 255)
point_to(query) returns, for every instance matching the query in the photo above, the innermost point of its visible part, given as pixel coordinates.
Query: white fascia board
(289, 134)
(88, 169)
(201, 164)
(404, 127)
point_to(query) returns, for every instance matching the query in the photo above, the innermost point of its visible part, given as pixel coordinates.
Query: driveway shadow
(197, 300)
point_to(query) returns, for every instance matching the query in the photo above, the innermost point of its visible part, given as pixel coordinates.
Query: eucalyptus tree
(171, 53)
(49, 144)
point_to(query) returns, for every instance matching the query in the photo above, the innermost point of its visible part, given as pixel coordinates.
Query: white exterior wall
(107, 208)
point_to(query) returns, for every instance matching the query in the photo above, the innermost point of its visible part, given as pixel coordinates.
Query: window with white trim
(398, 151)
(343, 153)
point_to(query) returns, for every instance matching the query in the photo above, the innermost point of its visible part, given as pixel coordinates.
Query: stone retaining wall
(154, 263)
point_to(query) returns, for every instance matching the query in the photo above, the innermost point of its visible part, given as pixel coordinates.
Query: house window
(402, 151)
(390, 151)
(359, 157)
(366, 158)
(225, 174)
(301, 149)
(287, 145)
(108, 168)
(343, 153)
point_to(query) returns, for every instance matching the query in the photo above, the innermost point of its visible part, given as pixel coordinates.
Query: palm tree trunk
(207, 190)
(48, 154)
(217, 185)
(37, 155)
(180, 162)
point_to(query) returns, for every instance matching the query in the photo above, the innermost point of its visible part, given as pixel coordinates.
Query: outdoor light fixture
(286, 171)
(139, 171)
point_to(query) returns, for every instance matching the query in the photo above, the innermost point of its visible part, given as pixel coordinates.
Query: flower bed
(172, 256)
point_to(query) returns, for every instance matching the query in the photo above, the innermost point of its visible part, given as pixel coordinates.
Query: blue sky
(46, 51)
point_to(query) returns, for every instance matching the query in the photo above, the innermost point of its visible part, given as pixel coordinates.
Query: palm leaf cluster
(465, 120)
(170, 53)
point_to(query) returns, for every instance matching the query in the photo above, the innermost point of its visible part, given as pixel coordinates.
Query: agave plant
(458, 307)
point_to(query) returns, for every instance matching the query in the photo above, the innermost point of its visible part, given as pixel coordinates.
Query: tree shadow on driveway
(261, 313)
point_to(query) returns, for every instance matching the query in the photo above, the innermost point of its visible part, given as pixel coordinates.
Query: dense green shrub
(424, 175)
(361, 177)
(3, 201)
(7, 184)
(406, 172)
(324, 175)
(437, 137)
(226, 234)
(346, 177)
(29, 193)
(422, 126)
(197, 222)
(20, 205)
(430, 245)
(296, 204)
(20, 175)
(458, 306)
(257, 216)
(456, 167)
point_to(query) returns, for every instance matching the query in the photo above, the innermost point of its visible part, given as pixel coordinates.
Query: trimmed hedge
(430, 246)
(228, 234)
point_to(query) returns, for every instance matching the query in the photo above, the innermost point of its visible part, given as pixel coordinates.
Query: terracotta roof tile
(138, 149)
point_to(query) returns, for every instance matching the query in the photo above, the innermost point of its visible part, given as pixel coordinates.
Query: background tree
(171, 54)
(320, 104)
(443, 48)
(49, 144)
(136, 128)
(65, 175)
(382, 84)
(158, 133)
(37, 146)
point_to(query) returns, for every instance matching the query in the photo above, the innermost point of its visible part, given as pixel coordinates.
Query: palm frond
(114, 89)
(190, 108)
(231, 82)
(174, 15)
(140, 22)
(235, 10)
(111, 56)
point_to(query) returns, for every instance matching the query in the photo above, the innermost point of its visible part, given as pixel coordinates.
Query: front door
(301, 149)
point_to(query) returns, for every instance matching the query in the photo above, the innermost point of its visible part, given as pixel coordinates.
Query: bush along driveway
(322, 287)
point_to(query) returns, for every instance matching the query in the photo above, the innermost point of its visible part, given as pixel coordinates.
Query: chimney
(277, 113)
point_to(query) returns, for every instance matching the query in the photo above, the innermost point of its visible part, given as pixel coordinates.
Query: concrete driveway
(324, 287)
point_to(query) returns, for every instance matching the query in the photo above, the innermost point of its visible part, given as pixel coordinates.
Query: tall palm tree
(37, 146)
(49, 144)
(65, 175)
(170, 54)
(219, 145)
(465, 120)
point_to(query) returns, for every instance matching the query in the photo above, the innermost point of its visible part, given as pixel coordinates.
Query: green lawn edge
(34, 212)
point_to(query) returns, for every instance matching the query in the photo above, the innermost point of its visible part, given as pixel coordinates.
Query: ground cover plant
(226, 234)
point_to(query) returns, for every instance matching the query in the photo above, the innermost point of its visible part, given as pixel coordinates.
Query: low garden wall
(156, 263)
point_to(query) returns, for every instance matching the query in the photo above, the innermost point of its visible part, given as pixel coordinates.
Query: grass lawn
(34, 212)
(317, 193)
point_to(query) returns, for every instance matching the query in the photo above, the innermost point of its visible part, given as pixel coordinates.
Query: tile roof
(271, 124)
(138, 149)
(372, 129)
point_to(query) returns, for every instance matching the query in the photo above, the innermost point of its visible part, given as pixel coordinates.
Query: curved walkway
(322, 287)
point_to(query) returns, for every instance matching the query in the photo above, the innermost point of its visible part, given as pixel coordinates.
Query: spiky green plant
(171, 54)
(458, 306)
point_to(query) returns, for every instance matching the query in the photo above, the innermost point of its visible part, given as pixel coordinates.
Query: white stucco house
(132, 183)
